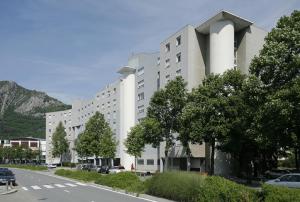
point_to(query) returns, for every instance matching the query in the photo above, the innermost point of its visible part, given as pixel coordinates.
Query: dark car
(7, 176)
(104, 169)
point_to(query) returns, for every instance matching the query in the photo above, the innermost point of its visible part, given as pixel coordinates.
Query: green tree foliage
(135, 142)
(97, 139)
(165, 108)
(278, 67)
(59, 142)
(279, 60)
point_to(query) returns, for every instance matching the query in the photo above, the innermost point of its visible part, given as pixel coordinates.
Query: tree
(82, 146)
(279, 60)
(135, 142)
(97, 139)
(164, 111)
(278, 67)
(59, 142)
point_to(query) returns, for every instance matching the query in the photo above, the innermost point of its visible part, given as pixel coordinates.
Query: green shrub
(26, 167)
(120, 180)
(220, 189)
(279, 194)
(179, 186)
(79, 175)
(69, 164)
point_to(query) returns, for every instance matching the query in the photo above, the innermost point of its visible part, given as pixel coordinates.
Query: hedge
(26, 167)
(279, 194)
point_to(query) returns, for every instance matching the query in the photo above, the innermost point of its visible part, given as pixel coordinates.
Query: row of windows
(108, 93)
(148, 161)
(140, 71)
(168, 46)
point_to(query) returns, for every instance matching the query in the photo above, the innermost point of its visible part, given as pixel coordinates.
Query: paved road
(34, 187)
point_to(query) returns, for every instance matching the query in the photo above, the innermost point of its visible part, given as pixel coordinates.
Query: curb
(9, 192)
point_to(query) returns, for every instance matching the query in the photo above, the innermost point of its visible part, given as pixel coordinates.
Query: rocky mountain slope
(22, 111)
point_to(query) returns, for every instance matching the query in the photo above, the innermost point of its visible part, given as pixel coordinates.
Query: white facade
(223, 42)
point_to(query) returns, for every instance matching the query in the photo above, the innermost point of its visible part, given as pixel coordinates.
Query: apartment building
(222, 42)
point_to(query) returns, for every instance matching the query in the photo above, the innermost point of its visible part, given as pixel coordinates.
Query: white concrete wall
(221, 46)
(127, 116)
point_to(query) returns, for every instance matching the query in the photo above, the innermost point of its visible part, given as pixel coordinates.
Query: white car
(116, 169)
(51, 166)
(291, 180)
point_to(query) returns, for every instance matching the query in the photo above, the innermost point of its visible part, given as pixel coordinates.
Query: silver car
(291, 180)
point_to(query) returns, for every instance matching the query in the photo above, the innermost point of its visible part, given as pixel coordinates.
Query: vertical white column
(127, 115)
(221, 46)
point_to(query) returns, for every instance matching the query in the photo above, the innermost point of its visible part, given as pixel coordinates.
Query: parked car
(116, 169)
(104, 169)
(7, 175)
(291, 180)
(275, 173)
(51, 166)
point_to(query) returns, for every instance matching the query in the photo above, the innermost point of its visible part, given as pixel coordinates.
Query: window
(178, 72)
(49, 130)
(167, 64)
(158, 80)
(141, 84)
(141, 96)
(158, 61)
(167, 48)
(178, 40)
(141, 109)
(108, 104)
(178, 57)
(115, 90)
(140, 161)
(140, 71)
(167, 78)
(150, 161)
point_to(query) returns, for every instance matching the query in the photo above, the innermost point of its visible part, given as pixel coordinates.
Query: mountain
(22, 111)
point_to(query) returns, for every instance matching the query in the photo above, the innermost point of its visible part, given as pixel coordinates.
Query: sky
(71, 49)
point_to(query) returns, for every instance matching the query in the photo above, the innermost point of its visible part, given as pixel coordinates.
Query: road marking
(81, 184)
(36, 187)
(145, 199)
(71, 185)
(25, 188)
(48, 186)
(59, 185)
(67, 191)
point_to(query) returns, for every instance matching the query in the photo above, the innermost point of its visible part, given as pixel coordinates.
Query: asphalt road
(37, 187)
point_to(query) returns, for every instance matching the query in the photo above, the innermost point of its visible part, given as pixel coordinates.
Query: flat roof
(239, 23)
(126, 70)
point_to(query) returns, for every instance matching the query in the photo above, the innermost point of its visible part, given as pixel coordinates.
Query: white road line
(71, 185)
(48, 186)
(36, 187)
(145, 199)
(81, 184)
(25, 188)
(60, 185)
(67, 191)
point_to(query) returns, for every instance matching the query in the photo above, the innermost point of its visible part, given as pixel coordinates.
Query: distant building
(223, 42)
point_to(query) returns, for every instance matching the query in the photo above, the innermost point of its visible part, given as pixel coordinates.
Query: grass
(186, 187)
(26, 167)
(124, 180)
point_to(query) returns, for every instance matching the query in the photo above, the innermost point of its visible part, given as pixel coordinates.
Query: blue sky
(71, 49)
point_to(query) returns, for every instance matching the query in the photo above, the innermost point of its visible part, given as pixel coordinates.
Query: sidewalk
(5, 190)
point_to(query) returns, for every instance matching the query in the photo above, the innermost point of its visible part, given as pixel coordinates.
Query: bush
(281, 194)
(69, 164)
(179, 186)
(220, 189)
(79, 175)
(120, 180)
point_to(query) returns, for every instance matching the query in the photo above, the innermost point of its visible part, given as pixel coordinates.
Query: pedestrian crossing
(52, 186)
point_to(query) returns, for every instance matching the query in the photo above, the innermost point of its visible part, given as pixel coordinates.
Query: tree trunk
(166, 160)
(212, 158)
(61, 160)
(297, 152)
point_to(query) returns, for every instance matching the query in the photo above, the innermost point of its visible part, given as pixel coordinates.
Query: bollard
(7, 185)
